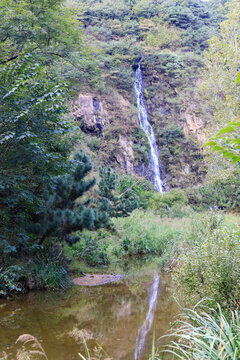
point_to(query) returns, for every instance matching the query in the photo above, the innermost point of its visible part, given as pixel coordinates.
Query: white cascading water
(146, 326)
(147, 128)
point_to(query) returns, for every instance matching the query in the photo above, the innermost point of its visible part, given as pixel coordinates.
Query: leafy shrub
(124, 192)
(91, 248)
(141, 154)
(202, 225)
(94, 143)
(224, 194)
(164, 202)
(211, 267)
(9, 280)
(145, 8)
(163, 36)
(139, 189)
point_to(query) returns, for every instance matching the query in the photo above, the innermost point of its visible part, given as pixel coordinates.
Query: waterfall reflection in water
(146, 326)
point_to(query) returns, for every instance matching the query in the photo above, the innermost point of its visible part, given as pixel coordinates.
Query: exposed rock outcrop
(193, 124)
(90, 113)
(126, 157)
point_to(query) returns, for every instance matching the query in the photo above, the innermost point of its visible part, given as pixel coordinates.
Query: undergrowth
(209, 266)
(145, 233)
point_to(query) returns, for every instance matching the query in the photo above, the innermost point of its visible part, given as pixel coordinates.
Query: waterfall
(146, 326)
(147, 128)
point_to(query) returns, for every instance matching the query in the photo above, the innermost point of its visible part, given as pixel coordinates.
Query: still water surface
(110, 315)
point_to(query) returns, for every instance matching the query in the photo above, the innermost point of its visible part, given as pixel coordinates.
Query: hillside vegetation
(171, 37)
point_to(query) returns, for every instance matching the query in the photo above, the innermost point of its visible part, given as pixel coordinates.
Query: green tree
(65, 212)
(51, 30)
(197, 19)
(146, 8)
(221, 87)
(122, 197)
(32, 128)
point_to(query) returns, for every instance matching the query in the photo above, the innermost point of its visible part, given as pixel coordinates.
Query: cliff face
(171, 46)
(110, 120)
(90, 113)
(113, 122)
(193, 125)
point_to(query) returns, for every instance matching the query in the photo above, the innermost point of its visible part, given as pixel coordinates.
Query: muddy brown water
(109, 315)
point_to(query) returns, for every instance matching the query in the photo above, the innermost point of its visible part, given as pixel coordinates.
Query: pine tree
(65, 212)
(121, 205)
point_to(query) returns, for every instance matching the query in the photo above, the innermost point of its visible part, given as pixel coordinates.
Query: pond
(112, 315)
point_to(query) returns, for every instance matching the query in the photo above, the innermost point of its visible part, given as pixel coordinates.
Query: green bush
(163, 36)
(224, 194)
(166, 200)
(202, 225)
(124, 192)
(145, 8)
(9, 280)
(210, 268)
(91, 248)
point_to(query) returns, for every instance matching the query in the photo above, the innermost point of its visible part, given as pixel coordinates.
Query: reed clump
(204, 333)
(29, 348)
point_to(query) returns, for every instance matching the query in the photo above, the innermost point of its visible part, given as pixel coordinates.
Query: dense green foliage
(35, 144)
(122, 192)
(91, 248)
(209, 266)
(32, 130)
(221, 86)
(51, 30)
(64, 212)
(222, 193)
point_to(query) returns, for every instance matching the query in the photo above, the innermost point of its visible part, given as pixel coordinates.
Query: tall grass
(209, 267)
(145, 232)
(30, 348)
(205, 333)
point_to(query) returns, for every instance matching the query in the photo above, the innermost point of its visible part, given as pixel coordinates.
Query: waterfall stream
(146, 326)
(147, 128)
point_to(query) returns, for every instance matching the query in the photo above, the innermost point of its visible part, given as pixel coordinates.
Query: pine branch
(130, 188)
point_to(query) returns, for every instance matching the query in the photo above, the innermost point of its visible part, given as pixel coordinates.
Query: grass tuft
(205, 333)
